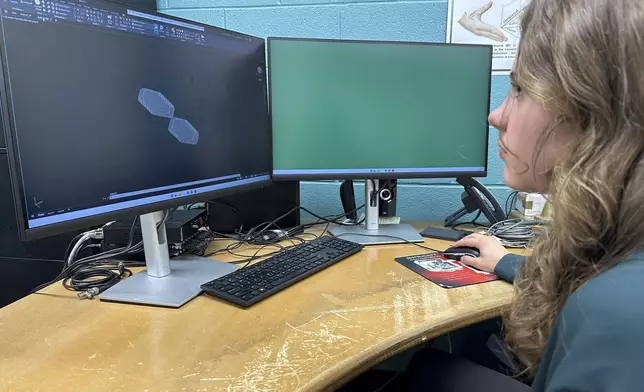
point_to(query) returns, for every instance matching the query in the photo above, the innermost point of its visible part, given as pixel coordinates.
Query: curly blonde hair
(584, 61)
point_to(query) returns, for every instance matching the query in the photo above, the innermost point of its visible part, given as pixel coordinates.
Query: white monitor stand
(371, 232)
(165, 282)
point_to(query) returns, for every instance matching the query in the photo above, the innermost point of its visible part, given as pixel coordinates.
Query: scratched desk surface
(315, 335)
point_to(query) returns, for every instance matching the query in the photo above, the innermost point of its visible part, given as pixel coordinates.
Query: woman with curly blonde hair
(573, 127)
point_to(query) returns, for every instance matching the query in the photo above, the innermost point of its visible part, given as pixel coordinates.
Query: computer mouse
(456, 252)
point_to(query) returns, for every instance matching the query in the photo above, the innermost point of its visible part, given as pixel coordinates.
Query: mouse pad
(445, 272)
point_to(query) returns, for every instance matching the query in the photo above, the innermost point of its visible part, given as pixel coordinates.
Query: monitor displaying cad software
(113, 112)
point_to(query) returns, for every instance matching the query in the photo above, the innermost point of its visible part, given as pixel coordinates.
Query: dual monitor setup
(113, 112)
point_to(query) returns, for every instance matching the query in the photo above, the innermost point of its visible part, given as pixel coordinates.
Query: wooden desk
(316, 335)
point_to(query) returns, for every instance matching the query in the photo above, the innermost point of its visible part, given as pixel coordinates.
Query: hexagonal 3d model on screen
(183, 131)
(158, 105)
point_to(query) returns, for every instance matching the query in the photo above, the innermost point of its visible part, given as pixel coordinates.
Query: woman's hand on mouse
(491, 251)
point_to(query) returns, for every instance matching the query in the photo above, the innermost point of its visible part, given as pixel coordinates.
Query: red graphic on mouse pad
(445, 272)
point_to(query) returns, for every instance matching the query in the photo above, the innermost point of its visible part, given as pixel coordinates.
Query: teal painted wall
(361, 19)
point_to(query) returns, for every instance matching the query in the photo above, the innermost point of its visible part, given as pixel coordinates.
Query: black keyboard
(247, 286)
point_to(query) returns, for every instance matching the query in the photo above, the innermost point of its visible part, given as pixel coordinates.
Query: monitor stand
(373, 233)
(165, 282)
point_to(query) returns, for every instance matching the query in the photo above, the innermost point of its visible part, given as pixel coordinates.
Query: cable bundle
(515, 233)
(92, 275)
(263, 235)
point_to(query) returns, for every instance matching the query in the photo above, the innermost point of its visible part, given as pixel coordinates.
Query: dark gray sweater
(598, 340)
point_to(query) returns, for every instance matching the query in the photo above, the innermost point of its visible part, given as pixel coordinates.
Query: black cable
(77, 268)
(374, 195)
(99, 278)
(255, 234)
(87, 246)
(238, 244)
(510, 202)
(227, 205)
(326, 228)
(71, 246)
(258, 238)
(483, 225)
(232, 208)
(266, 225)
(311, 234)
(478, 215)
(470, 222)
(332, 219)
(255, 256)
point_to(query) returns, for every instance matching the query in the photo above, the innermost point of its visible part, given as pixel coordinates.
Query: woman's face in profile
(523, 125)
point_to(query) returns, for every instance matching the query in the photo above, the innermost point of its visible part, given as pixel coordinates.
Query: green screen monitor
(372, 110)
(368, 109)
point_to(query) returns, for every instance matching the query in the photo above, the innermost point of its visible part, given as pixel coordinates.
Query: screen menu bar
(87, 13)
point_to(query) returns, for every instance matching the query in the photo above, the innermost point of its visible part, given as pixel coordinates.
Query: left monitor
(113, 111)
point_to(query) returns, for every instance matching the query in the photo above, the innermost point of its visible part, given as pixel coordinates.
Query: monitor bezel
(15, 172)
(379, 175)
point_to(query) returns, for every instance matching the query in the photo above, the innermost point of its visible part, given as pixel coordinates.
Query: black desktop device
(252, 208)
(372, 110)
(112, 112)
(181, 227)
(444, 234)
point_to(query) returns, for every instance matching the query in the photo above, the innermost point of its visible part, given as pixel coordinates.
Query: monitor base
(173, 290)
(384, 234)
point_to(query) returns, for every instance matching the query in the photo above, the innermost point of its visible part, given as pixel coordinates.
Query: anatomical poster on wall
(486, 22)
